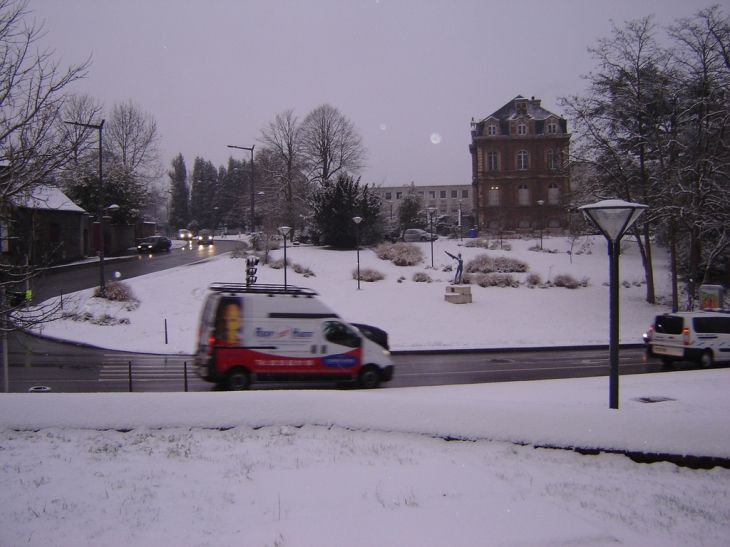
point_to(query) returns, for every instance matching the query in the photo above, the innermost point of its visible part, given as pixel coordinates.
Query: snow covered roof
(46, 198)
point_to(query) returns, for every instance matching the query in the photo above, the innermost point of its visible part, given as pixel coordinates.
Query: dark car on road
(153, 244)
(205, 237)
(379, 336)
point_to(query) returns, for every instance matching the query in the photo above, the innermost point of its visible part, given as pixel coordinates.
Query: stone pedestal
(458, 294)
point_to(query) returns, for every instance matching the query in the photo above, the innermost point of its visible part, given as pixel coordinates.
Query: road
(68, 279)
(66, 367)
(71, 368)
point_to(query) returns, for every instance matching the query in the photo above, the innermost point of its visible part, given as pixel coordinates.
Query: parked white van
(268, 333)
(702, 337)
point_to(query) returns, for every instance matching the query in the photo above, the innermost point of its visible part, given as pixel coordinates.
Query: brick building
(519, 169)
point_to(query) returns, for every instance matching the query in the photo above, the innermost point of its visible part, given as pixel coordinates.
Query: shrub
(504, 246)
(477, 242)
(422, 277)
(117, 291)
(277, 264)
(306, 272)
(501, 264)
(533, 279)
(401, 254)
(569, 282)
(497, 280)
(368, 274)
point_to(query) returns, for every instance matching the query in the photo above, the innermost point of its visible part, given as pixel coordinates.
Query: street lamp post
(253, 195)
(613, 218)
(540, 202)
(284, 231)
(461, 231)
(99, 126)
(431, 211)
(357, 221)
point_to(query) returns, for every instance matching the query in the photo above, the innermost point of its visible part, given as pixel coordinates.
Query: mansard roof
(508, 112)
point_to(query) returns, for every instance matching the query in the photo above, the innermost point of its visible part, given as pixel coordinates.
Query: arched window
(492, 129)
(493, 196)
(522, 163)
(553, 194)
(552, 159)
(492, 163)
(523, 195)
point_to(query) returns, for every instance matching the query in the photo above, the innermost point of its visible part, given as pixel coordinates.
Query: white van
(268, 333)
(702, 337)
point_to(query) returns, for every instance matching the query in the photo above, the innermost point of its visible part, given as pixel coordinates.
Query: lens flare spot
(382, 126)
(435, 138)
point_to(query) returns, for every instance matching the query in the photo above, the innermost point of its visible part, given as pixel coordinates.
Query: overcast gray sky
(409, 74)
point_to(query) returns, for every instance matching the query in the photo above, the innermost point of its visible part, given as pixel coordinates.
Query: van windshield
(668, 324)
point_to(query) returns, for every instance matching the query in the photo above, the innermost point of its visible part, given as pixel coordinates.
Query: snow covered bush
(422, 277)
(368, 274)
(500, 264)
(401, 254)
(117, 291)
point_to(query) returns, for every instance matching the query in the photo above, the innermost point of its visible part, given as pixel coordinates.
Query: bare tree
(331, 144)
(620, 123)
(132, 140)
(33, 140)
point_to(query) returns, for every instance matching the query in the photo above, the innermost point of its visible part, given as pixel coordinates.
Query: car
(205, 237)
(153, 244)
(185, 235)
(379, 336)
(701, 337)
(416, 234)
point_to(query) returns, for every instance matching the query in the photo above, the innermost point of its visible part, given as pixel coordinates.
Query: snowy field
(429, 466)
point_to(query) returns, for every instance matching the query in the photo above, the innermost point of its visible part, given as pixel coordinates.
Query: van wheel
(238, 379)
(706, 359)
(369, 377)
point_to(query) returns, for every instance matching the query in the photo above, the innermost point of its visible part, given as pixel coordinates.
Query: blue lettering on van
(261, 333)
(296, 333)
(341, 360)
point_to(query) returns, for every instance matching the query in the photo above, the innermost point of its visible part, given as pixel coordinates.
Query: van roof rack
(261, 289)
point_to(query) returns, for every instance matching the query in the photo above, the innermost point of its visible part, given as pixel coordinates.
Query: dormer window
(492, 129)
(522, 129)
(552, 127)
(521, 108)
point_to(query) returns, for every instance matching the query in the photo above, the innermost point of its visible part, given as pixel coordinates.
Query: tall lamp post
(613, 218)
(357, 221)
(253, 195)
(99, 126)
(431, 211)
(540, 202)
(461, 231)
(284, 231)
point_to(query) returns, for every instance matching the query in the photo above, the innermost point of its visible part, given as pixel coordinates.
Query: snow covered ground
(450, 465)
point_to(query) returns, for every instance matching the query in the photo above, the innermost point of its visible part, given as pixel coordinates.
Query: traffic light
(251, 263)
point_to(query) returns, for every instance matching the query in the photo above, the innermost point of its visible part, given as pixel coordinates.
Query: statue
(459, 267)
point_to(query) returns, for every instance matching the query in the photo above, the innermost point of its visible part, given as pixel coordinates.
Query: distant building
(446, 198)
(519, 169)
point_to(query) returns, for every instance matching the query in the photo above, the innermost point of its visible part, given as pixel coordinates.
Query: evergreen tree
(337, 203)
(179, 207)
(410, 211)
(202, 194)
